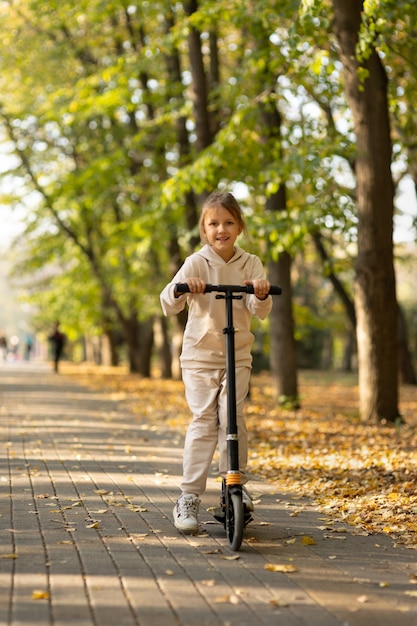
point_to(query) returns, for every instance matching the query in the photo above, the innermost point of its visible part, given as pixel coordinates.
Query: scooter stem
(232, 433)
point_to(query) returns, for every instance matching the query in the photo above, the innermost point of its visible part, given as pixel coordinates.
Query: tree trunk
(375, 298)
(405, 361)
(109, 329)
(199, 85)
(283, 352)
(173, 61)
(349, 350)
(165, 349)
(139, 342)
(338, 286)
(113, 351)
(345, 299)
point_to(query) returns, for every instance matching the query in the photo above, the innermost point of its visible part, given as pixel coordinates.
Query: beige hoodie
(204, 340)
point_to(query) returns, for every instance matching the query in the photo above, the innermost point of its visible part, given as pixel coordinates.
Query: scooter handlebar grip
(275, 290)
(182, 288)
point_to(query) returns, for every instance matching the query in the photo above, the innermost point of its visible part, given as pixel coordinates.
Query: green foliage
(98, 102)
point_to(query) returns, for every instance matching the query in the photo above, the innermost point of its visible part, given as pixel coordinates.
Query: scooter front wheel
(234, 520)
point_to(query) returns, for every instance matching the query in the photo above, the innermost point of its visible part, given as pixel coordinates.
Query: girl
(203, 357)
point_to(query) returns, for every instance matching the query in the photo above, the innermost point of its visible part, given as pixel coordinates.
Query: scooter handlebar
(275, 290)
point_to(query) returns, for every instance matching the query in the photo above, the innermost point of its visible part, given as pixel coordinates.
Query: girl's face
(221, 230)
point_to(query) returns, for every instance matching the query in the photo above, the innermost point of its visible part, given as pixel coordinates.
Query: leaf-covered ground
(362, 475)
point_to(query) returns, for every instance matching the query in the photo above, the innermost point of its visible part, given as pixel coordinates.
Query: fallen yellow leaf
(362, 599)
(9, 556)
(139, 536)
(40, 595)
(232, 599)
(280, 567)
(308, 541)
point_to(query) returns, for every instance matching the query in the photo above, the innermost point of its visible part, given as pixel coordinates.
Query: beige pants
(206, 394)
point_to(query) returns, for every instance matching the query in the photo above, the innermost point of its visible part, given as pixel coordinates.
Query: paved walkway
(86, 533)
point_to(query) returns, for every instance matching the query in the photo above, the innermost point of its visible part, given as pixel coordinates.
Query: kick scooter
(232, 512)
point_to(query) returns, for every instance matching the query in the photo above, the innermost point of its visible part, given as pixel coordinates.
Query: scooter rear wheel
(234, 520)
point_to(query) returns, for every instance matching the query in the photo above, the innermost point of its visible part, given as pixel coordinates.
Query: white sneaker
(247, 500)
(185, 513)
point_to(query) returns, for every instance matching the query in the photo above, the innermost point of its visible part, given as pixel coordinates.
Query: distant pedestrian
(28, 347)
(57, 340)
(3, 347)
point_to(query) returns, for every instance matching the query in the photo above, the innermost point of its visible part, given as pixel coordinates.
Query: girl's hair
(227, 201)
